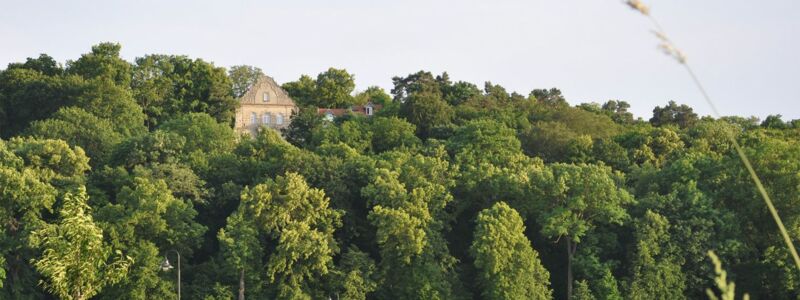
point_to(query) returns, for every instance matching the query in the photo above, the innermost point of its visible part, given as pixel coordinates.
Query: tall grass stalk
(727, 289)
(670, 49)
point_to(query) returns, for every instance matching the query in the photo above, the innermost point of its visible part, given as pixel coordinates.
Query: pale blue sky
(593, 50)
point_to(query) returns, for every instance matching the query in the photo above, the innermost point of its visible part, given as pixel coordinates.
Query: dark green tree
(574, 199)
(243, 77)
(682, 115)
(104, 62)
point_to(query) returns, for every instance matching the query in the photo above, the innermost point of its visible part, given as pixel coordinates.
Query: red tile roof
(358, 110)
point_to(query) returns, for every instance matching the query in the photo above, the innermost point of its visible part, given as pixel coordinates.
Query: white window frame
(265, 97)
(279, 119)
(253, 118)
(266, 118)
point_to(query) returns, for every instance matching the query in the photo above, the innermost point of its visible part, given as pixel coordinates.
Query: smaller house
(368, 110)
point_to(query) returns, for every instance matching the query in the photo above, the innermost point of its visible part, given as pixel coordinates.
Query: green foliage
(374, 94)
(242, 78)
(166, 86)
(74, 258)
(79, 128)
(682, 115)
(202, 133)
(656, 272)
(355, 276)
(430, 197)
(582, 291)
(575, 198)
(331, 89)
(103, 62)
(297, 218)
(510, 268)
(305, 122)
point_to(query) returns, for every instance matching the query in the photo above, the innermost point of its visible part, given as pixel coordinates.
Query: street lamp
(166, 266)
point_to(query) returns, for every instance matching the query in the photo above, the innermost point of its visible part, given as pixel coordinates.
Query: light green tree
(509, 267)
(75, 260)
(301, 225)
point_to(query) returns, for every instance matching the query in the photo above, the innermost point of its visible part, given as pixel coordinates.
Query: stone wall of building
(266, 104)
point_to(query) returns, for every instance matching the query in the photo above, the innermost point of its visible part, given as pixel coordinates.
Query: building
(266, 104)
(364, 110)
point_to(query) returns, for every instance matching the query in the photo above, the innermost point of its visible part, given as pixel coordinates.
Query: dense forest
(451, 191)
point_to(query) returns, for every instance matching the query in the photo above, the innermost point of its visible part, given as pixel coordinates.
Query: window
(253, 118)
(279, 119)
(266, 97)
(265, 118)
(329, 116)
(369, 110)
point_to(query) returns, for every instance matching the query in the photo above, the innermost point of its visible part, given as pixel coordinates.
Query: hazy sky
(593, 50)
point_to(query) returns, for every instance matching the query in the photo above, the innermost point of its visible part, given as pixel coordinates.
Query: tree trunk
(241, 285)
(571, 247)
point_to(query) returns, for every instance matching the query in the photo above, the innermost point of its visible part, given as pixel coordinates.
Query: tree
(355, 275)
(682, 115)
(582, 291)
(27, 95)
(374, 94)
(168, 85)
(106, 100)
(243, 77)
(618, 111)
(426, 110)
(240, 244)
(409, 217)
(333, 88)
(144, 219)
(302, 91)
(74, 257)
(304, 123)
(774, 122)
(79, 128)
(203, 133)
(392, 132)
(656, 272)
(45, 64)
(509, 267)
(103, 62)
(301, 226)
(551, 97)
(573, 199)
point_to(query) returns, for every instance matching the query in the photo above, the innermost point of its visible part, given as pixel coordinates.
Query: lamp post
(166, 266)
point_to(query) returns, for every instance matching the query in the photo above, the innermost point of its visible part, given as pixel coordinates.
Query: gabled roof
(266, 83)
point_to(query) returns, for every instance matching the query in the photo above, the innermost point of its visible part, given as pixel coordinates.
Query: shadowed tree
(243, 77)
(573, 199)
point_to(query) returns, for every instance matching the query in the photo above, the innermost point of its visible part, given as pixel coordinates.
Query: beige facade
(266, 104)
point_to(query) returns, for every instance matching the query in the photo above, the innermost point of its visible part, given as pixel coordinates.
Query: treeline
(450, 192)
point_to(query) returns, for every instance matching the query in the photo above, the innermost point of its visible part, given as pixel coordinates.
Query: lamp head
(165, 265)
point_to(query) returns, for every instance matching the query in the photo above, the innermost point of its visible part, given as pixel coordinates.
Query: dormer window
(266, 97)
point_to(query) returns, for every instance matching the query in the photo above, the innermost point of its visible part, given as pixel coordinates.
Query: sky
(745, 52)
